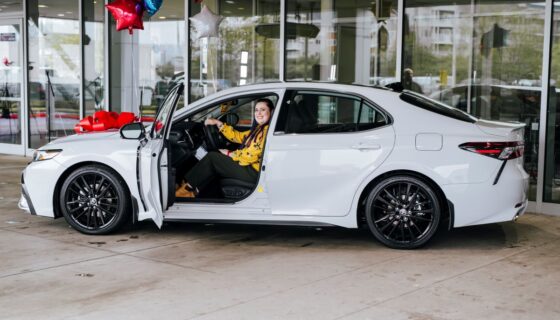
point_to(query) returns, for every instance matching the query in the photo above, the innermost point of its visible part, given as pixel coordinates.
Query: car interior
(189, 140)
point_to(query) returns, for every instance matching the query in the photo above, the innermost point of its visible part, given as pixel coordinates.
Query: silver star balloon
(206, 23)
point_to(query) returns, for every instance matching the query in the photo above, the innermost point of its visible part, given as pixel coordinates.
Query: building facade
(499, 60)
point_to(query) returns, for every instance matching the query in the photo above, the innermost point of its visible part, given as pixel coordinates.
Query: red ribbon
(104, 120)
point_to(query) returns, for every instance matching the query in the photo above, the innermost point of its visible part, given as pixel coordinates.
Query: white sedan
(335, 155)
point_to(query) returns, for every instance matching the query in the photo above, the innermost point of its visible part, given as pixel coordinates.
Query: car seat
(235, 188)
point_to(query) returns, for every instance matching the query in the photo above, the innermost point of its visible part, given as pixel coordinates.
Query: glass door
(11, 86)
(54, 76)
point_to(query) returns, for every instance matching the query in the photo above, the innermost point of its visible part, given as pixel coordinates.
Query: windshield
(165, 109)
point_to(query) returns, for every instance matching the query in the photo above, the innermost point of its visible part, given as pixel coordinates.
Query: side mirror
(133, 131)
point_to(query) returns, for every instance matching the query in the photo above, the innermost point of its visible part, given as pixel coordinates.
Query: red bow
(104, 120)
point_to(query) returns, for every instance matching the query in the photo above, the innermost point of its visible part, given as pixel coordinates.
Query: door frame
(19, 149)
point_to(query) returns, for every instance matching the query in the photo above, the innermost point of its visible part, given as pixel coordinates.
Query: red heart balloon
(127, 13)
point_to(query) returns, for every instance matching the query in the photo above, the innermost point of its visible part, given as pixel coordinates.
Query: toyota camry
(396, 162)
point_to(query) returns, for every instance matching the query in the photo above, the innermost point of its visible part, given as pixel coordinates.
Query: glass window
(311, 112)
(342, 41)
(483, 57)
(11, 81)
(166, 109)
(245, 50)
(147, 65)
(552, 160)
(11, 6)
(242, 107)
(54, 70)
(94, 55)
(423, 102)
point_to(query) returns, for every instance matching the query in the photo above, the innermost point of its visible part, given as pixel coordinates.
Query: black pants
(216, 164)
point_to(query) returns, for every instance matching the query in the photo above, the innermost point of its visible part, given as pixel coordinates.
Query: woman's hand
(213, 122)
(225, 152)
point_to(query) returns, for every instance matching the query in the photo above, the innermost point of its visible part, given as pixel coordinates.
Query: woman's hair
(257, 129)
(268, 103)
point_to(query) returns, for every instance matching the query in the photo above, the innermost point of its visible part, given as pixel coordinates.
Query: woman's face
(262, 113)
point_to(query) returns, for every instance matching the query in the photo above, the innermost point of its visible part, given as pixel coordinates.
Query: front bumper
(24, 201)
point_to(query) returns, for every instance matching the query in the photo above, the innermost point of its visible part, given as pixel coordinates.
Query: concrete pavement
(199, 271)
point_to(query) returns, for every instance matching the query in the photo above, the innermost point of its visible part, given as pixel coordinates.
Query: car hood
(87, 137)
(502, 129)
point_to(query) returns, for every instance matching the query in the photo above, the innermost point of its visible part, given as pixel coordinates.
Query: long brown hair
(258, 129)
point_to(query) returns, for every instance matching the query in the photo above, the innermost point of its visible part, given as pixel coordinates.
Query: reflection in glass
(161, 48)
(348, 42)
(54, 70)
(246, 50)
(146, 65)
(552, 150)
(93, 18)
(10, 83)
(11, 6)
(485, 59)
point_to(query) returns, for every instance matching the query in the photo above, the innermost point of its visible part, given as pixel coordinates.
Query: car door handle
(365, 146)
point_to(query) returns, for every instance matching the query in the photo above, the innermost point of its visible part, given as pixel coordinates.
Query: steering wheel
(213, 138)
(230, 118)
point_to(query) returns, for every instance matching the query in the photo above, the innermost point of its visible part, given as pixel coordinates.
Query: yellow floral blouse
(250, 155)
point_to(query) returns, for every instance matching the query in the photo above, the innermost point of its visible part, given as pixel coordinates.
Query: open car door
(153, 173)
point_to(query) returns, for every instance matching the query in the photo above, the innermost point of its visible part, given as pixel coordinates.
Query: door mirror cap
(133, 131)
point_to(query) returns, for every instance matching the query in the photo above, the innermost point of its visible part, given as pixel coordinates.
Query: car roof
(339, 87)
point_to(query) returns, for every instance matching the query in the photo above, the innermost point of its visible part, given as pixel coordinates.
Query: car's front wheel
(403, 212)
(94, 200)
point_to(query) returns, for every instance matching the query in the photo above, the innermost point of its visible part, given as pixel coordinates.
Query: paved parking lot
(198, 271)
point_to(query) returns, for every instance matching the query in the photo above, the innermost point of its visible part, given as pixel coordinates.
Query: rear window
(436, 106)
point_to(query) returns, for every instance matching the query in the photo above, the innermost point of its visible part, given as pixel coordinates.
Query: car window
(316, 112)
(243, 107)
(165, 110)
(426, 103)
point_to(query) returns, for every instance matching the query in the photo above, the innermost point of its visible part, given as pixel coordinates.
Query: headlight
(40, 155)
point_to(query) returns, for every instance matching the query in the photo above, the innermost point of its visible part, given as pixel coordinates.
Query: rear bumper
(483, 203)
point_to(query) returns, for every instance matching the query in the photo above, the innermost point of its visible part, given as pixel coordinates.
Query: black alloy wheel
(403, 212)
(94, 201)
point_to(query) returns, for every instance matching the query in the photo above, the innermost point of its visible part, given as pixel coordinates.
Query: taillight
(499, 150)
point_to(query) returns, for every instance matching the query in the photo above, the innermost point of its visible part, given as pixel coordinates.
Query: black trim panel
(28, 199)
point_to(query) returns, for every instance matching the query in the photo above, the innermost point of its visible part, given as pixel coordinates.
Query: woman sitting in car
(242, 164)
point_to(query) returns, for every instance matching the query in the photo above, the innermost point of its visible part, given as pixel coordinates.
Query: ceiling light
(241, 8)
(60, 14)
(69, 12)
(163, 17)
(43, 6)
(230, 2)
(227, 11)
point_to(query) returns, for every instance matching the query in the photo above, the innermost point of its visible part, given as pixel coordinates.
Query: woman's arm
(231, 134)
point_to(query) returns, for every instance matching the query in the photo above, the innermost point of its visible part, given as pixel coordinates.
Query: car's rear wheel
(93, 200)
(403, 212)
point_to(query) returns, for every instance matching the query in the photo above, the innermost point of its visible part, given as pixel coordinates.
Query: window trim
(345, 94)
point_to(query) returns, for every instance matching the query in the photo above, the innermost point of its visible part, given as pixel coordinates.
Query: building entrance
(11, 87)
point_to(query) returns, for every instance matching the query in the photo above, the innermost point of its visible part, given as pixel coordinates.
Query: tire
(93, 200)
(403, 212)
